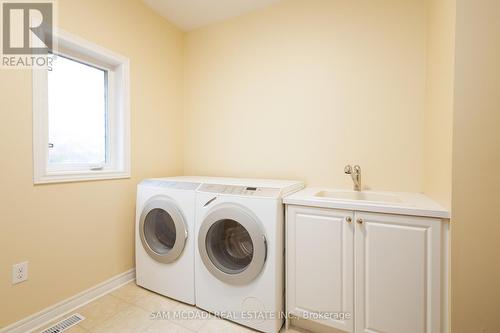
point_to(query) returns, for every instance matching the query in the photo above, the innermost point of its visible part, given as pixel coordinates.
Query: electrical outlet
(19, 272)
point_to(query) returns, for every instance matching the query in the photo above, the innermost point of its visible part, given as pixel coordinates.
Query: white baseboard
(47, 315)
(306, 325)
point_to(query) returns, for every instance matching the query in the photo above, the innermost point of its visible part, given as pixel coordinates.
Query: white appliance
(240, 250)
(164, 247)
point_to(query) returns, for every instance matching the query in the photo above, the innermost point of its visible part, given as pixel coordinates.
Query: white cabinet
(386, 270)
(320, 264)
(398, 274)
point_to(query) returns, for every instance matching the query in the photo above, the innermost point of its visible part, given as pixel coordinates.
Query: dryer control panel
(169, 184)
(250, 191)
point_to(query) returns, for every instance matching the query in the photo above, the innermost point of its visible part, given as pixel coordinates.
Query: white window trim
(119, 121)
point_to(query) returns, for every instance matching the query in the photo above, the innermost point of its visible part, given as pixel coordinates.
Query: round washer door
(232, 245)
(162, 229)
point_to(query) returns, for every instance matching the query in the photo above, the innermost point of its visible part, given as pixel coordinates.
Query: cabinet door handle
(348, 219)
(360, 221)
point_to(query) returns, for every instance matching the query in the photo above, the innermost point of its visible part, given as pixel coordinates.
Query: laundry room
(321, 166)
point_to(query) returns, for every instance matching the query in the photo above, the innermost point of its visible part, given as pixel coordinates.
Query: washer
(240, 250)
(165, 240)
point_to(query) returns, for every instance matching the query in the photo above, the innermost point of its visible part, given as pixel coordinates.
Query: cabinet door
(320, 245)
(398, 274)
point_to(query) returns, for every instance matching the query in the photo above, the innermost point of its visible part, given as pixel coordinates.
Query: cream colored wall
(296, 90)
(77, 235)
(439, 111)
(302, 88)
(476, 166)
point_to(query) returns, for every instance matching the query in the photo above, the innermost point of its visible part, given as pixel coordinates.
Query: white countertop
(415, 204)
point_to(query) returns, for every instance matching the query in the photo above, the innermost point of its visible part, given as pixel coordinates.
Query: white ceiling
(191, 14)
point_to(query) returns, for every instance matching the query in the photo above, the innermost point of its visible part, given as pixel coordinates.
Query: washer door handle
(210, 201)
(265, 247)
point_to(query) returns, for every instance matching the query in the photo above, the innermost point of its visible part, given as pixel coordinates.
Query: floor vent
(65, 324)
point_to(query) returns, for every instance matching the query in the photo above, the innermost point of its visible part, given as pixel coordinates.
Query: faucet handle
(348, 169)
(357, 169)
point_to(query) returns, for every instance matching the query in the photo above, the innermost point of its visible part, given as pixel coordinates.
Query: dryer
(164, 234)
(239, 260)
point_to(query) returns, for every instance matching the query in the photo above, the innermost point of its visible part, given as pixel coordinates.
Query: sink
(380, 198)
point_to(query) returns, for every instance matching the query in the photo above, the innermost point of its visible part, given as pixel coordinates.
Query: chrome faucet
(355, 175)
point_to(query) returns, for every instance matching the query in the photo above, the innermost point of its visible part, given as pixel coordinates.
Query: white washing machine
(165, 240)
(239, 260)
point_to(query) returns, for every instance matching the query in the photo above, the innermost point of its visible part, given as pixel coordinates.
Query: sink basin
(380, 198)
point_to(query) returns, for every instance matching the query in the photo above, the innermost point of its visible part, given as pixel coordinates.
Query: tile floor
(128, 310)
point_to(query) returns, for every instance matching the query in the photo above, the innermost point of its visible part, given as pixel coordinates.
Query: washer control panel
(240, 190)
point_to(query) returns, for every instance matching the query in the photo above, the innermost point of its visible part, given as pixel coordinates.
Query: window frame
(118, 115)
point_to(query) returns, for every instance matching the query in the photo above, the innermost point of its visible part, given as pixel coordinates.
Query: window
(81, 114)
(77, 113)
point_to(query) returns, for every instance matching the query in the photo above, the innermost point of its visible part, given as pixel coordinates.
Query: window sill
(79, 176)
